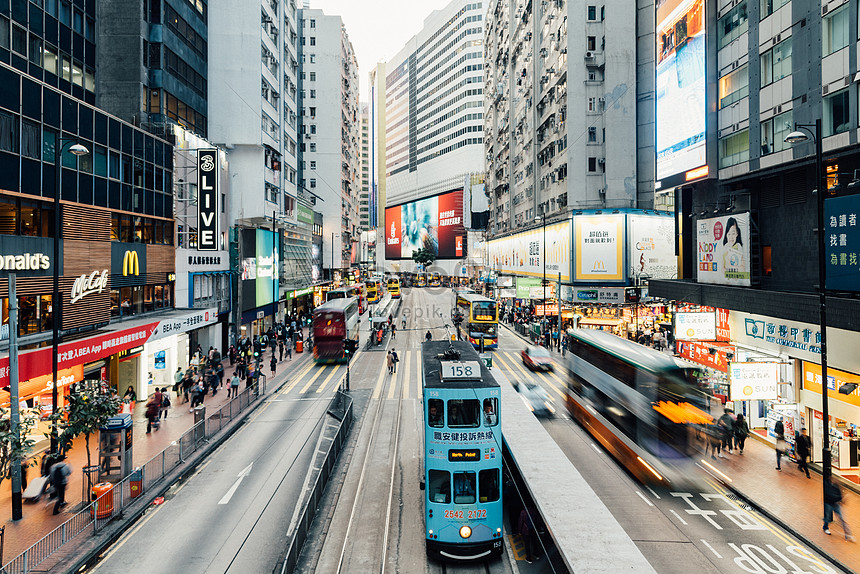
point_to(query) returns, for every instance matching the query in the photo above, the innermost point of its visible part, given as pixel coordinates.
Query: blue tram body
(462, 454)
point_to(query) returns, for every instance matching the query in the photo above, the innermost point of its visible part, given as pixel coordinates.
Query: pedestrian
(526, 528)
(742, 431)
(153, 411)
(128, 399)
(393, 331)
(428, 336)
(803, 449)
(273, 364)
(403, 321)
(779, 431)
(165, 403)
(231, 352)
(233, 389)
(833, 505)
(177, 380)
(395, 358)
(59, 476)
(727, 423)
(289, 348)
(281, 350)
(390, 362)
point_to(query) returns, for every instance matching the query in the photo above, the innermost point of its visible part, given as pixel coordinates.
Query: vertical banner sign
(207, 200)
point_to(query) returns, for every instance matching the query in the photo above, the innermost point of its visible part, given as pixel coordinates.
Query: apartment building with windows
(330, 134)
(364, 217)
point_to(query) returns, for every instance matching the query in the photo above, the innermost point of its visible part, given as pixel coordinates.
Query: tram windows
(464, 413)
(490, 412)
(434, 412)
(488, 482)
(464, 488)
(439, 488)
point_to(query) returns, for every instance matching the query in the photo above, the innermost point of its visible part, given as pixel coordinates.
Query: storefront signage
(184, 323)
(599, 254)
(539, 291)
(204, 259)
(523, 253)
(505, 281)
(800, 340)
(45, 384)
(507, 293)
(651, 241)
(754, 381)
(695, 326)
(724, 332)
(524, 286)
(714, 356)
(723, 252)
(25, 262)
(304, 214)
(96, 282)
(207, 200)
(130, 264)
(842, 242)
(835, 380)
(609, 295)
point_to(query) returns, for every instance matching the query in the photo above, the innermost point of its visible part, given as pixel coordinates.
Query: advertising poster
(753, 381)
(652, 246)
(525, 285)
(522, 253)
(723, 252)
(701, 353)
(695, 326)
(681, 109)
(434, 223)
(267, 264)
(843, 242)
(599, 254)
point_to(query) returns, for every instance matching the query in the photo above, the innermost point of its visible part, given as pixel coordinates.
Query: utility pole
(15, 427)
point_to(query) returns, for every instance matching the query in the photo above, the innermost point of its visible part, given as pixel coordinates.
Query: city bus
(394, 287)
(357, 290)
(374, 290)
(436, 280)
(462, 455)
(347, 292)
(480, 318)
(644, 407)
(334, 321)
(422, 279)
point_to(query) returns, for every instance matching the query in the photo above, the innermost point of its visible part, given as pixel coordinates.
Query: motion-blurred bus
(334, 321)
(435, 280)
(480, 319)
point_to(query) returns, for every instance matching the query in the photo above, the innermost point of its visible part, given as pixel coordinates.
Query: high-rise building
(561, 99)
(364, 195)
(376, 111)
(330, 133)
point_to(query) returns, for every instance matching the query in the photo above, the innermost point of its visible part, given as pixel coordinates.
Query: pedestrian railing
(109, 505)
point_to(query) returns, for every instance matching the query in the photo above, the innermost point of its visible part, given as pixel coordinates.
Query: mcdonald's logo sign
(599, 265)
(130, 264)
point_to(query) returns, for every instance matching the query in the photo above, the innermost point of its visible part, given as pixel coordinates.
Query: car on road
(537, 358)
(535, 398)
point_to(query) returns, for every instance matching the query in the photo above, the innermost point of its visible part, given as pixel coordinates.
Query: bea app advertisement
(434, 223)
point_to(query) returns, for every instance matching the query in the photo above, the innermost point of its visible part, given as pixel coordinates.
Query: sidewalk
(38, 519)
(787, 496)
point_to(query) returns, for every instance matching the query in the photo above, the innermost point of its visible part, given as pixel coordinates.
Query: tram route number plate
(460, 370)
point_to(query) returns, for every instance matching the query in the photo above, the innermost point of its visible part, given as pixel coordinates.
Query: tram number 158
(461, 371)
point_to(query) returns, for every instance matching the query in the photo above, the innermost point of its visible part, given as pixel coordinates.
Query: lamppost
(542, 218)
(56, 302)
(794, 137)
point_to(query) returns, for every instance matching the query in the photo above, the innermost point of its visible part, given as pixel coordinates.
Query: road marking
(327, 379)
(392, 385)
(594, 446)
(299, 377)
(314, 378)
(242, 474)
(678, 516)
(705, 542)
(657, 496)
(643, 497)
(406, 373)
(531, 377)
(377, 390)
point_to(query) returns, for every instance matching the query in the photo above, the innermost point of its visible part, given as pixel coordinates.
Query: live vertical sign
(207, 200)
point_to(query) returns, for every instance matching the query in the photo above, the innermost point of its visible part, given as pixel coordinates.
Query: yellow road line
(406, 379)
(377, 390)
(532, 377)
(298, 377)
(552, 385)
(316, 375)
(327, 379)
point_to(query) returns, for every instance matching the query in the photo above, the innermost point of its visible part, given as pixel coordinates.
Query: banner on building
(598, 248)
(207, 200)
(651, 241)
(723, 252)
(842, 242)
(753, 381)
(695, 326)
(522, 253)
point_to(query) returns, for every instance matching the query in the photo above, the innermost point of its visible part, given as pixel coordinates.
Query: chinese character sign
(842, 242)
(754, 381)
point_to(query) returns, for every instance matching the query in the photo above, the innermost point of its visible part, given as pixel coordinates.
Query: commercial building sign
(26, 256)
(842, 241)
(651, 240)
(184, 323)
(695, 326)
(522, 253)
(599, 254)
(433, 223)
(800, 340)
(525, 285)
(607, 295)
(835, 380)
(724, 332)
(753, 381)
(723, 252)
(95, 282)
(713, 356)
(128, 264)
(304, 214)
(207, 200)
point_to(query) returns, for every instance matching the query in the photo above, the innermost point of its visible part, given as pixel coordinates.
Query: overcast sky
(378, 28)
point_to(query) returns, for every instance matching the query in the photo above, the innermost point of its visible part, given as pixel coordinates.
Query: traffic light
(350, 346)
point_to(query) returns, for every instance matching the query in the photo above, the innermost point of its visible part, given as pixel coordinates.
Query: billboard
(680, 91)
(599, 253)
(260, 261)
(753, 381)
(723, 252)
(651, 241)
(695, 326)
(434, 223)
(842, 243)
(207, 200)
(522, 253)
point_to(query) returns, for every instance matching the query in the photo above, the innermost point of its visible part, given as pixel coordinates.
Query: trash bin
(299, 346)
(102, 494)
(135, 483)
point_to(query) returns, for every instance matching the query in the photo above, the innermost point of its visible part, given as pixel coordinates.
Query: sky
(378, 29)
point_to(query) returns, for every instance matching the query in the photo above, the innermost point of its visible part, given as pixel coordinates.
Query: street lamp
(794, 137)
(78, 150)
(542, 218)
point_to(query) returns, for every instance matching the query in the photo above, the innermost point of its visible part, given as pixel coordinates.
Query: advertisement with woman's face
(723, 252)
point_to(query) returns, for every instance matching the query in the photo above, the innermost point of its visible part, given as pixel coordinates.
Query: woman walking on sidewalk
(742, 431)
(779, 431)
(803, 448)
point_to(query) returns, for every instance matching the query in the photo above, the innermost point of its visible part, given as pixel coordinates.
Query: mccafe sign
(95, 282)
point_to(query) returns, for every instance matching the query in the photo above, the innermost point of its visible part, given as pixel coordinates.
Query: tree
(13, 446)
(423, 256)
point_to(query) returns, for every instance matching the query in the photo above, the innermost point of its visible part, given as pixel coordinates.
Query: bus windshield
(329, 325)
(335, 295)
(484, 310)
(486, 329)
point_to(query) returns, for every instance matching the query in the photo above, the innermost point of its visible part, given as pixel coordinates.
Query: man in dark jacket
(779, 431)
(727, 424)
(803, 448)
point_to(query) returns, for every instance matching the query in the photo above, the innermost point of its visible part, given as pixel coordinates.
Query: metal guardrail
(341, 408)
(109, 506)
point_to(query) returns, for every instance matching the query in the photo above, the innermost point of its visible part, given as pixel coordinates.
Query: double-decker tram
(422, 279)
(643, 406)
(435, 280)
(334, 321)
(374, 290)
(393, 285)
(462, 454)
(481, 318)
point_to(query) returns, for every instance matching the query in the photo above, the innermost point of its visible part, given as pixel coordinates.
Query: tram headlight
(465, 531)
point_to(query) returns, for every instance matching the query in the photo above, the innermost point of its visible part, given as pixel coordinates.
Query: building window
(732, 25)
(735, 86)
(592, 164)
(834, 30)
(836, 113)
(313, 164)
(313, 147)
(313, 41)
(773, 132)
(31, 141)
(766, 260)
(768, 7)
(313, 58)
(313, 94)
(776, 63)
(592, 135)
(735, 149)
(19, 40)
(313, 76)
(4, 32)
(313, 183)
(313, 23)
(592, 104)
(592, 13)
(8, 132)
(590, 43)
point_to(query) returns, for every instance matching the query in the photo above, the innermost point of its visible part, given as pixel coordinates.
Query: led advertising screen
(522, 253)
(723, 252)
(434, 223)
(599, 251)
(842, 242)
(681, 91)
(259, 268)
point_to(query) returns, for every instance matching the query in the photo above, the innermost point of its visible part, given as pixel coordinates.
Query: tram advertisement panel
(434, 223)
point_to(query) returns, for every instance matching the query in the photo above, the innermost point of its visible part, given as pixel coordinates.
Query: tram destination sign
(460, 370)
(464, 455)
